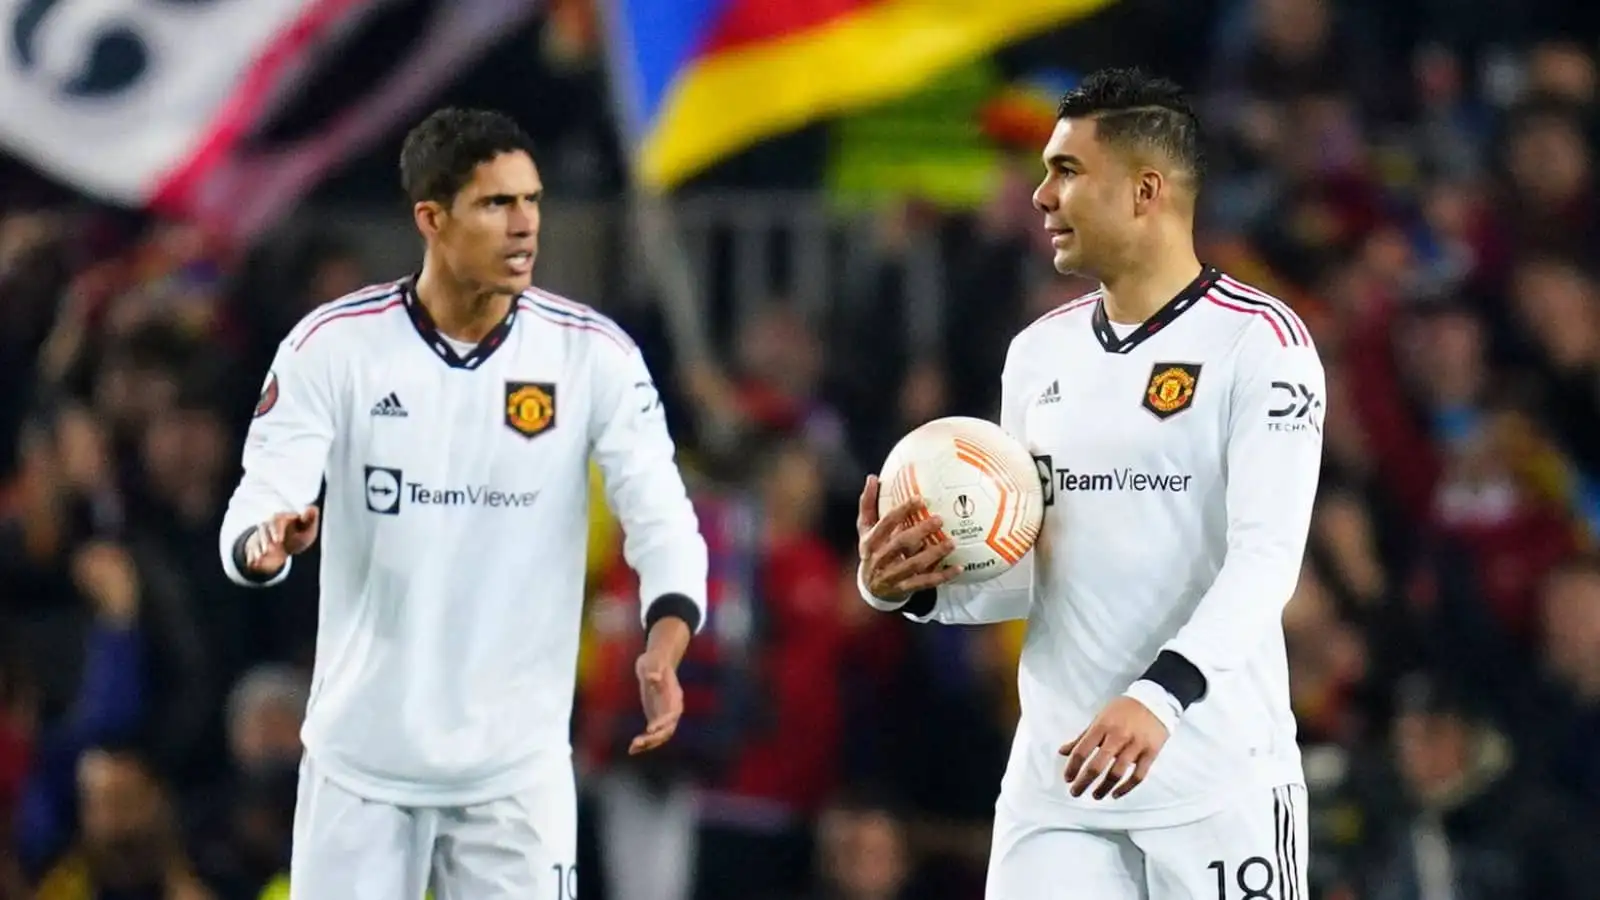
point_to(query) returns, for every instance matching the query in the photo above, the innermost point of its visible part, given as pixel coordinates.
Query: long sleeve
(286, 450)
(661, 533)
(1274, 457)
(999, 599)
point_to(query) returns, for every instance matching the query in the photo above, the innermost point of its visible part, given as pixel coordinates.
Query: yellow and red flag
(701, 79)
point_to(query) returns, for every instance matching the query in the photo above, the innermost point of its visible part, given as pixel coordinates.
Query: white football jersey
(1180, 462)
(455, 527)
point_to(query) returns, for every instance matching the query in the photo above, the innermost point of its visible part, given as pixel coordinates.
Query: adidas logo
(1052, 394)
(390, 406)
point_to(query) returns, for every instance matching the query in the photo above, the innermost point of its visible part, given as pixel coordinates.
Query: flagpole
(651, 217)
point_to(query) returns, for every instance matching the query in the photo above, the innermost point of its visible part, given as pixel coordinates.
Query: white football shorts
(1255, 849)
(350, 848)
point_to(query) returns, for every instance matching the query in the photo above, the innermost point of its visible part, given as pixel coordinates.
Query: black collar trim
(1166, 315)
(429, 332)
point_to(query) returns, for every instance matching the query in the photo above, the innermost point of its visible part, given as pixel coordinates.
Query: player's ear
(1147, 188)
(429, 216)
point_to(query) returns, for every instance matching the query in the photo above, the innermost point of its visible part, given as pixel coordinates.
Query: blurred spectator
(284, 280)
(264, 712)
(1464, 825)
(242, 825)
(1561, 713)
(129, 845)
(862, 851)
(1565, 70)
(1327, 665)
(1550, 204)
(112, 699)
(754, 836)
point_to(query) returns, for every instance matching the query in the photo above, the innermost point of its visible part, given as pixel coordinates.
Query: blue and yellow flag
(702, 79)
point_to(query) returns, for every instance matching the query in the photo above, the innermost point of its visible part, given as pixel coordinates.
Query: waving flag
(120, 98)
(700, 79)
(163, 104)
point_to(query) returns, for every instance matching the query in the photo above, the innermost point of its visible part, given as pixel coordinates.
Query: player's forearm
(1232, 621)
(669, 628)
(283, 472)
(672, 565)
(1241, 609)
(661, 538)
(1246, 600)
(638, 462)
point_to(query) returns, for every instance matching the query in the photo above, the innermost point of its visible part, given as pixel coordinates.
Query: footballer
(453, 414)
(1156, 756)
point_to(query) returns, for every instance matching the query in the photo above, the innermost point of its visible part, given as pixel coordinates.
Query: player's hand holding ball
(899, 555)
(964, 505)
(1117, 750)
(286, 535)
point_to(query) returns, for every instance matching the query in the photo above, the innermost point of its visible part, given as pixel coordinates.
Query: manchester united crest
(530, 407)
(1171, 388)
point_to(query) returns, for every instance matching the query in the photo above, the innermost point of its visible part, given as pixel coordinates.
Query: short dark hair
(1135, 110)
(439, 154)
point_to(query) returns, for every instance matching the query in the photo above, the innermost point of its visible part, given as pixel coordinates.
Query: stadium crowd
(1436, 228)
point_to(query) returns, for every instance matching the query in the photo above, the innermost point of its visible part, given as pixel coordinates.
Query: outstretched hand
(662, 698)
(286, 535)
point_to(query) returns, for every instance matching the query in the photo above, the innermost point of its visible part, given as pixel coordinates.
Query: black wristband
(1181, 678)
(241, 555)
(675, 605)
(921, 602)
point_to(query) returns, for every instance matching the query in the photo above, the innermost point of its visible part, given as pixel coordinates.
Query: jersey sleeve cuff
(678, 606)
(233, 564)
(918, 607)
(1158, 700)
(1181, 678)
(877, 603)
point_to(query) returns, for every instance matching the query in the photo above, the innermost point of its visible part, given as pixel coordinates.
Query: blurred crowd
(1433, 218)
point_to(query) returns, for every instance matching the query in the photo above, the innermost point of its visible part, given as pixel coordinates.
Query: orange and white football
(980, 480)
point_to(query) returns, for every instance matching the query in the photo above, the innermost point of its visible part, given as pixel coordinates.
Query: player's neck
(459, 311)
(1135, 295)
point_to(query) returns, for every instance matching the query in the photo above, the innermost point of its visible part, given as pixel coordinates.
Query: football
(980, 480)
